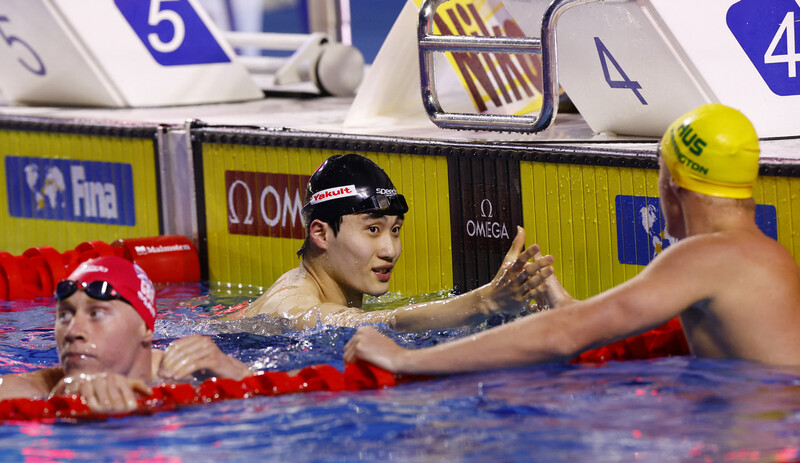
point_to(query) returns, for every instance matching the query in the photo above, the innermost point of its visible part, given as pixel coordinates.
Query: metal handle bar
(546, 46)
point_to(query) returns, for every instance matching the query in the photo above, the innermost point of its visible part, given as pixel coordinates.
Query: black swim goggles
(379, 203)
(98, 289)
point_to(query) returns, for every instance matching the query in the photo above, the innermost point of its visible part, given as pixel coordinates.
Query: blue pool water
(677, 409)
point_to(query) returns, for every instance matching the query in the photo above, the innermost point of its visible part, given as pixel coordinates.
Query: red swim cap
(130, 281)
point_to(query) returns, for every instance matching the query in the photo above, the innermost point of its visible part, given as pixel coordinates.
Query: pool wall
(64, 183)
(236, 192)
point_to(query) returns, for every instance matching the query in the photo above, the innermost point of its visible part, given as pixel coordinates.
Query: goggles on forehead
(98, 289)
(379, 203)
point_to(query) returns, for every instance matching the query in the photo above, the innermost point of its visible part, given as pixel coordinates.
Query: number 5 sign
(117, 53)
(766, 33)
(172, 31)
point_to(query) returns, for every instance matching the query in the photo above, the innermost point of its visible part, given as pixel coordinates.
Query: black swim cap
(350, 184)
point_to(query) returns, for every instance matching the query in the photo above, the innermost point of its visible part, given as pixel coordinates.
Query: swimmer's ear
(676, 189)
(317, 233)
(147, 336)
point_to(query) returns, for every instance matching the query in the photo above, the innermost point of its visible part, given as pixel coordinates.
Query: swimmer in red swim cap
(736, 291)
(105, 317)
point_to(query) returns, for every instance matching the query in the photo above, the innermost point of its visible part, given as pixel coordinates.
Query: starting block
(117, 53)
(632, 66)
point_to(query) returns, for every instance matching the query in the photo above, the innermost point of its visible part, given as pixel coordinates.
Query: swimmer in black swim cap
(349, 184)
(353, 215)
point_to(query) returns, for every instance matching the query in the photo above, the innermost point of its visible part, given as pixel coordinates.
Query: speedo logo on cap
(334, 193)
(386, 192)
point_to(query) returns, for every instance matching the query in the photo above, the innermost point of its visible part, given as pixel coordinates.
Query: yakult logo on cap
(334, 193)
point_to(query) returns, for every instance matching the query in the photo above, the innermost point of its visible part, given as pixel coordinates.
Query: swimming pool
(673, 409)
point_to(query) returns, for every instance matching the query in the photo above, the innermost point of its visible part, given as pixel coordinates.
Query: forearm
(11, 388)
(465, 309)
(32, 385)
(511, 345)
(542, 337)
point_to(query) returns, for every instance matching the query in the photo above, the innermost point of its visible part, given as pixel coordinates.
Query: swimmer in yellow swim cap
(712, 150)
(736, 291)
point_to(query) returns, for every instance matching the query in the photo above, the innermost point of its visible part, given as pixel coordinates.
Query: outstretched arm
(634, 307)
(518, 281)
(514, 286)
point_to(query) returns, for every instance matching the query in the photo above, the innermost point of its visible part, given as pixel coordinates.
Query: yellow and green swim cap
(712, 150)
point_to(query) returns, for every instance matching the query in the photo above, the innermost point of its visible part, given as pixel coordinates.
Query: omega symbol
(233, 218)
(486, 204)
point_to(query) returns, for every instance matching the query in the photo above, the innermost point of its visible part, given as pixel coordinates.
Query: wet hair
(335, 224)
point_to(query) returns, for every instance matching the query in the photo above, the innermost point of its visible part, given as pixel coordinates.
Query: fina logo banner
(70, 190)
(265, 204)
(642, 234)
(766, 31)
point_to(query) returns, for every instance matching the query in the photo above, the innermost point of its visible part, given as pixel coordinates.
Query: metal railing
(545, 46)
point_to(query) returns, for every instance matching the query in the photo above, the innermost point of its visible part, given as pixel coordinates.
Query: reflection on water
(676, 409)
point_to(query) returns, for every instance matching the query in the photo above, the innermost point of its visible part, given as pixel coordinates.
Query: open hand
(103, 392)
(197, 353)
(519, 280)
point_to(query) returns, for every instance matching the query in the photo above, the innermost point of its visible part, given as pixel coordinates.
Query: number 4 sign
(766, 33)
(605, 57)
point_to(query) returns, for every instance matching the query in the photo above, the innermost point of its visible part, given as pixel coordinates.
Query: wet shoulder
(732, 246)
(35, 384)
(292, 290)
(717, 261)
(746, 264)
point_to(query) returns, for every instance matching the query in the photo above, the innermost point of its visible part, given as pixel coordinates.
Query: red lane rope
(166, 259)
(662, 341)
(357, 376)
(665, 340)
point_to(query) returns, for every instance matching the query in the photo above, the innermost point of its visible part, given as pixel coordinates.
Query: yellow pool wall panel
(784, 194)
(425, 265)
(569, 210)
(62, 235)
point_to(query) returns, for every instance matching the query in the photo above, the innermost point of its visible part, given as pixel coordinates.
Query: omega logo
(487, 228)
(272, 200)
(233, 218)
(486, 205)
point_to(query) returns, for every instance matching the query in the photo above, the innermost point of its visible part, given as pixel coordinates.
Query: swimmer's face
(363, 254)
(670, 205)
(96, 336)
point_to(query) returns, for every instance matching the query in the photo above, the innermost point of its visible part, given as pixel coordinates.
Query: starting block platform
(231, 175)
